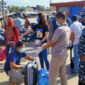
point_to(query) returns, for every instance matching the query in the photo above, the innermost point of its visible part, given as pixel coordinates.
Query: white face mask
(53, 16)
(22, 50)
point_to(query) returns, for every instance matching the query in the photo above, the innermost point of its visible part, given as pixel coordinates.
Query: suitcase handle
(35, 62)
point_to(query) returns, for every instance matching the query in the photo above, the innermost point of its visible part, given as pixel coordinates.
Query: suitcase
(2, 54)
(43, 78)
(31, 73)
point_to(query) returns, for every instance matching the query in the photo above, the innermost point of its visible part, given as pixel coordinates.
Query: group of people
(54, 32)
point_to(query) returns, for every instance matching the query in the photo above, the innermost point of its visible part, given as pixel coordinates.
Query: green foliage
(14, 9)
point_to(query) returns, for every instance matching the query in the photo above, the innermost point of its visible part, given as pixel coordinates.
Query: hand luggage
(71, 60)
(31, 73)
(43, 77)
(2, 54)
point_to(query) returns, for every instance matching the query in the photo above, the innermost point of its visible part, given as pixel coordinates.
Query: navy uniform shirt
(15, 57)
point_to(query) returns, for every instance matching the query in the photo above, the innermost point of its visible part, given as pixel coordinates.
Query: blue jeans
(8, 49)
(43, 56)
(76, 58)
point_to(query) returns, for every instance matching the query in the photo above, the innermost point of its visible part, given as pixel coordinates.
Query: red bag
(2, 54)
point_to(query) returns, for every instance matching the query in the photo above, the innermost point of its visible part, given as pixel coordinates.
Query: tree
(14, 9)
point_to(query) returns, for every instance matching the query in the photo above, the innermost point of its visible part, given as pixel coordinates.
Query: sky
(34, 2)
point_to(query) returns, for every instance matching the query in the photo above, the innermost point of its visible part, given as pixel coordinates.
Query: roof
(1, 17)
(64, 1)
(63, 4)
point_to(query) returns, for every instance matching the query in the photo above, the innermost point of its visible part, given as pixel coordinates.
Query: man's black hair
(54, 13)
(75, 18)
(61, 15)
(19, 44)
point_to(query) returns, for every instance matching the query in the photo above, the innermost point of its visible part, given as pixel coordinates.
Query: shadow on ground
(69, 74)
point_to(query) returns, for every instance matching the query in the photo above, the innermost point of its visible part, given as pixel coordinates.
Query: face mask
(53, 16)
(10, 23)
(37, 19)
(57, 23)
(22, 50)
(79, 17)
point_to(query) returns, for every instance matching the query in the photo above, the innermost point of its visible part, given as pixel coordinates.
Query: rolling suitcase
(43, 77)
(31, 73)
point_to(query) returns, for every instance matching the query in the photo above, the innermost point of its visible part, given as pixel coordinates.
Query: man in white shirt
(76, 30)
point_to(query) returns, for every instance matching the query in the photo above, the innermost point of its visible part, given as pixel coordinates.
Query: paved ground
(30, 49)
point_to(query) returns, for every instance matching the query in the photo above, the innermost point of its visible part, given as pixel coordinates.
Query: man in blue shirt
(12, 65)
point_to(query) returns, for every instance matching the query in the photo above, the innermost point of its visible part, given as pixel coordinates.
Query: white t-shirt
(77, 28)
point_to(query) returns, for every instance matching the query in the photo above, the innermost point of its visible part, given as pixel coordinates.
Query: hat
(10, 19)
(83, 15)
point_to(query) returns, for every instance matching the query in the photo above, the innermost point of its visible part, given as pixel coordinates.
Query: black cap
(19, 44)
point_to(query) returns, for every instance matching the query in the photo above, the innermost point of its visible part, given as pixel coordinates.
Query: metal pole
(3, 12)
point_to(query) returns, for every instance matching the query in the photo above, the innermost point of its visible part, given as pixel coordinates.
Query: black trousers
(80, 83)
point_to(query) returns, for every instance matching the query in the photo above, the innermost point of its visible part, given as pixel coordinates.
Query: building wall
(66, 9)
(27, 9)
(67, 6)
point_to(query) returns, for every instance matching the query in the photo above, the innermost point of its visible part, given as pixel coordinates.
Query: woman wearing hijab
(11, 35)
